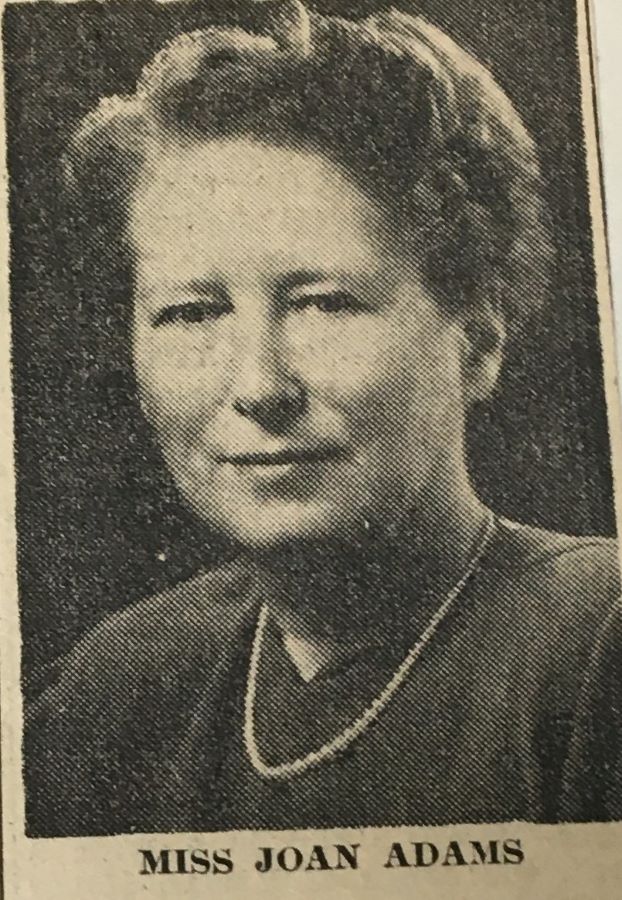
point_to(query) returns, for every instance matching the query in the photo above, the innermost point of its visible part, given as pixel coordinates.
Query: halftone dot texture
(413, 118)
(513, 710)
(511, 713)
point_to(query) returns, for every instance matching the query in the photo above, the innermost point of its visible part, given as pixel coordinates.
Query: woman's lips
(295, 473)
(286, 457)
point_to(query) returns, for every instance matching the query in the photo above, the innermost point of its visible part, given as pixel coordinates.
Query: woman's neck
(385, 579)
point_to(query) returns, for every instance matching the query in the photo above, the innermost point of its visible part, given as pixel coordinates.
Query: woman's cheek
(172, 380)
(345, 357)
(394, 382)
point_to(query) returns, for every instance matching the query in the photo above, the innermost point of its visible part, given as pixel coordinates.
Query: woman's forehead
(231, 171)
(244, 198)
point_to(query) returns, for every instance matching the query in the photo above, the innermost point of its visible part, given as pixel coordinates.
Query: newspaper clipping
(309, 558)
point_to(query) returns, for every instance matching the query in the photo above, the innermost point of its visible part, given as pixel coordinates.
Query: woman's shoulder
(208, 606)
(128, 685)
(555, 591)
(157, 637)
(561, 562)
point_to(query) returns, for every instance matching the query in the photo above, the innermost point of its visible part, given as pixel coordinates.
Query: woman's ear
(485, 336)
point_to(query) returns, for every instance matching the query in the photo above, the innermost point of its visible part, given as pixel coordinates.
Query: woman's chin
(258, 531)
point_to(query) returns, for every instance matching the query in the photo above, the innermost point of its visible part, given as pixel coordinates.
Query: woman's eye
(191, 312)
(329, 302)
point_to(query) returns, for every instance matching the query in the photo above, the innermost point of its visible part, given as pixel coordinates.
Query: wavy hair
(413, 119)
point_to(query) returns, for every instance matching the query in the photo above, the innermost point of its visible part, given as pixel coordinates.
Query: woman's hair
(414, 120)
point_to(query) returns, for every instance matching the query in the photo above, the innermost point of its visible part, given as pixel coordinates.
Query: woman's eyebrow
(195, 286)
(204, 286)
(303, 277)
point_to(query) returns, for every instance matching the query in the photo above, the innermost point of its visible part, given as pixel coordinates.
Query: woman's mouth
(287, 457)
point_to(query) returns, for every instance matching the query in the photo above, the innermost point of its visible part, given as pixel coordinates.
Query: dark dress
(512, 712)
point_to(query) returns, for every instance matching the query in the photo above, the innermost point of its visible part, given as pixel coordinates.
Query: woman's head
(331, 229)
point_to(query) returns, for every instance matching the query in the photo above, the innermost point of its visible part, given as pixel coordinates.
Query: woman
(333, 229)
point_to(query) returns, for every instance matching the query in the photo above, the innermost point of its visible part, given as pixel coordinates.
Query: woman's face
(301, 382)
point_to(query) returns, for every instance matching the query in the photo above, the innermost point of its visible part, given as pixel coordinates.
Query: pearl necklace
(360, 724)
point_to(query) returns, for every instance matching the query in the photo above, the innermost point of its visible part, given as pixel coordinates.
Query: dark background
(98, 522)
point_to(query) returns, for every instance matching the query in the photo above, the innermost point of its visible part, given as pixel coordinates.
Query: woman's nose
(275, 410)
(266, 391)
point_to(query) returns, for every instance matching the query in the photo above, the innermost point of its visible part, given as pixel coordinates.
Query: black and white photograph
(314, 491)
